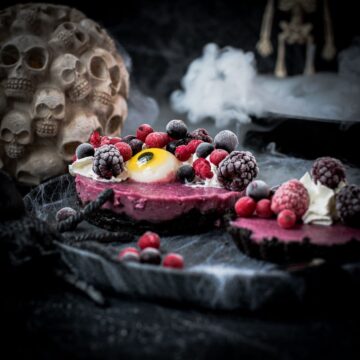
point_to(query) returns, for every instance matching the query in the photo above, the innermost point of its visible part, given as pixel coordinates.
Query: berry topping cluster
(148, 252)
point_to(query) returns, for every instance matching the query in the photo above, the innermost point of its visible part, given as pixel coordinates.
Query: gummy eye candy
(153, 165)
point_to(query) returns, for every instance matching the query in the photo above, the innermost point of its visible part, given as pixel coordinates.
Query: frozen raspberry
(200, 134)
(202, 168)
(258, 190)
(107, 161)
(104, 141)
(125, 150)
(114, 140)
(95, 139)
(149, 239)
(157, 140)
(291, 195)
(143, 131)
(204, 150)
(176, 129)
(328, 171)
(237, 170)
(193, 144)
(182, 153)
(226, 140)
(348, 205)
(263, 209)
(150, 256)
(64, 213)
(173, 260)
(286, 219)
(245, 206)
(84, 150)
(217, 156)
(129, 254)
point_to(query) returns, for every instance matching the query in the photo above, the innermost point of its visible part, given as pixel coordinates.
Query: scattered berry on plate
(64, 213)
(348, 205)
(217, 156)
(204, 150)
(258, 190)
(245, 206)
(226, 140)
(129, 255)
(143, 131)
(84, 150)
(107, 162)
(185, 173)
(200, 134)
(203, 168)
(182, 153)
(286, 219)
(125, 150)
(173, 260)
(263, 209)
(328, 171)
(129, 249)
(176, 129)
(150, 256)
(149, 239)
(157, 139)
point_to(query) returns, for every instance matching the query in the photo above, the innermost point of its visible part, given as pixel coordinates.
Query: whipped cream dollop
(83, 167)
(321, 209)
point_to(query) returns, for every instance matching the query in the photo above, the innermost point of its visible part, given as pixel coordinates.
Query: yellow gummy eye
(151, 165)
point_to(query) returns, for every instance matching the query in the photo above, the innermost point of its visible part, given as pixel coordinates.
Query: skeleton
(25, 59)
(69, 37)
(295, 32)
(16, 132)
(49, 111)
(70, 74)
(115, 121)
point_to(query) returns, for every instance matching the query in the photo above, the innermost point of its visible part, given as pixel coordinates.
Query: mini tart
(264, 239)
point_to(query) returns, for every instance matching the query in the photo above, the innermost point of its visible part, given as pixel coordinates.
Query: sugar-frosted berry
(157, 140)
(328, 171)
(258, 189)
(150, 256)
(226, 140)
(171, 146)
(173, 260)
(348, 205)
(128, 138)
(245, 206)
(193, 144)
(237, 170)
(64, 213)
(176, 129)
(128, 249)
(107, 161)
(95, 139)
(185, 173)
(204, 150)
(263, 209)
(203, 168)
(136, 146)
(292, 195)
(182, 153)
(84, 150)
(286, 219)
(125, 150)
(149, 239)
(217, 156)
(129, 255)
(143, 131)
(200, 134)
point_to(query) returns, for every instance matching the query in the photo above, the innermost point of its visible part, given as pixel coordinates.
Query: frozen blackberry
(176, 129)
(200, 134)
(226, 140)
(107, 161)
(348, 205)
(185, 173)
(328, 171)
(237, 170)
(84, 150)
(204, 150)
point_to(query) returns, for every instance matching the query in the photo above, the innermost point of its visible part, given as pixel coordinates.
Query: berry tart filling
(176, 180)
(316, 216)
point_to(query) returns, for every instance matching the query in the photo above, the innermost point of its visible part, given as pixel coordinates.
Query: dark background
(44, 319)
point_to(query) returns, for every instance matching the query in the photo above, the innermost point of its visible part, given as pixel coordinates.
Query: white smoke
(223, 84)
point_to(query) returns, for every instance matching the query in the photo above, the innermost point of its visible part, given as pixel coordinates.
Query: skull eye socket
(6, 135)
(80, 36)
(68, 75)
(36, 58)
(114, 125)
(115, 76)
(58, 109)
(98, 68)
(23, 137)
(42, 110)
(79, 67)
(69, 26)
(9, 55)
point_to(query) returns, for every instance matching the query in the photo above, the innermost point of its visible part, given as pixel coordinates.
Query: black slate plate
(217, 275)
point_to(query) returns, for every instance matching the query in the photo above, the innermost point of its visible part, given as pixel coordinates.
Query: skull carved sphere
(61, 77)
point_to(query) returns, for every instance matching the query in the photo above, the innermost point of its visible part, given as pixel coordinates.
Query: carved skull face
(15, 131)
(104, 77)
(98, 35)
(24, 59)
(116, 120)
(69, 37)
(49, 111)
(77, 131)
(71, 76)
